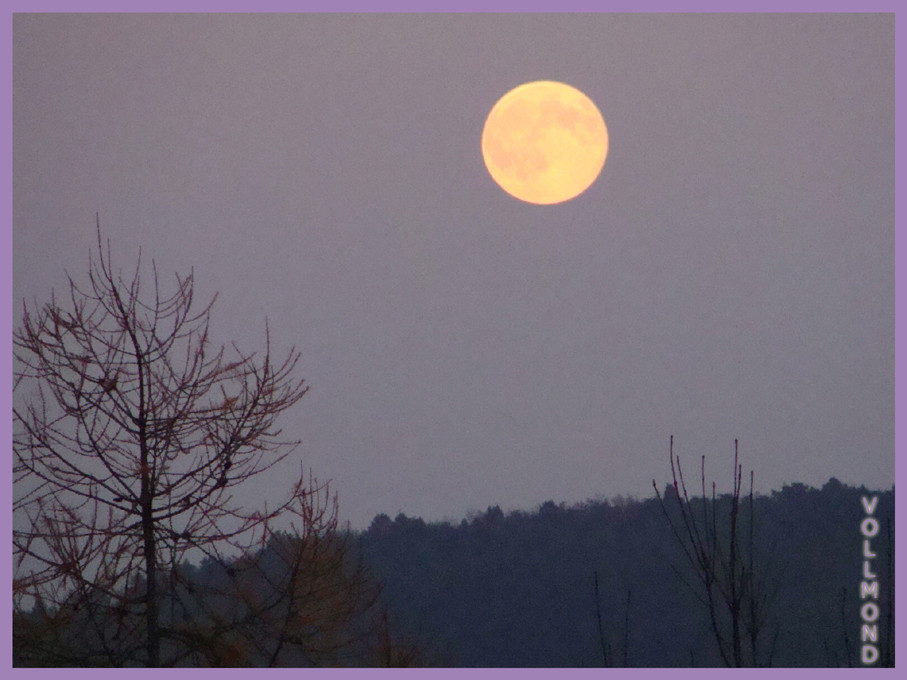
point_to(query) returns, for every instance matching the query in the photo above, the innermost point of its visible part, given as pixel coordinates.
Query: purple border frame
(6, 302)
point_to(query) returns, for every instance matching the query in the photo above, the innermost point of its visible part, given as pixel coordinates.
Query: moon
(544, 142)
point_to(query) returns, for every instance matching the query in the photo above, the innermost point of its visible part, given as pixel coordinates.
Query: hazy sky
(730, 273)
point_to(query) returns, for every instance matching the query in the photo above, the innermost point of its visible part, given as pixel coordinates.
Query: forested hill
(519, 589)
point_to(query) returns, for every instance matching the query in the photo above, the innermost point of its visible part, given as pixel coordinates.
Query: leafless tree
(303, 599)
(729, 580)
(131, 431)
(598, 619)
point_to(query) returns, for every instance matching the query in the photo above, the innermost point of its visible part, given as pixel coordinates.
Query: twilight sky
(730, 273)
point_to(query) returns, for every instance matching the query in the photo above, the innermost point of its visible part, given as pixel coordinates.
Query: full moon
(544, 142)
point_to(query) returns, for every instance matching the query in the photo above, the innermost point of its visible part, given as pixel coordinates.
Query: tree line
(517, 589)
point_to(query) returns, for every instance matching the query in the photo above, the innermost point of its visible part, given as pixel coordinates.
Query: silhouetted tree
(304, 599)
(130, 432)
(607, 660)
(731, 583)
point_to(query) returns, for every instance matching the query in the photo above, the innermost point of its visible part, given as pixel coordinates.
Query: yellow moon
(544, 142)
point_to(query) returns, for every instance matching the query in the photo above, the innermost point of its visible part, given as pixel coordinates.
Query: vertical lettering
(869, 505)
(869, 586)
(866, 573)
(869, 612)
(869, 655)
(869, 590)
(869, 527)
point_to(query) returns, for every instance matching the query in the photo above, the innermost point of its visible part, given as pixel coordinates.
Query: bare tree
(130, 432)
(598, 619)
(607, 658)
(303, 599)
(730, 582)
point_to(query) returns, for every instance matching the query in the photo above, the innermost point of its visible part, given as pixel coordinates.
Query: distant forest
(600, 583)
(519, 589)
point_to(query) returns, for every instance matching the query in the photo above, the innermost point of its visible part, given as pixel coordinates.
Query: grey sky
(730, 274)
